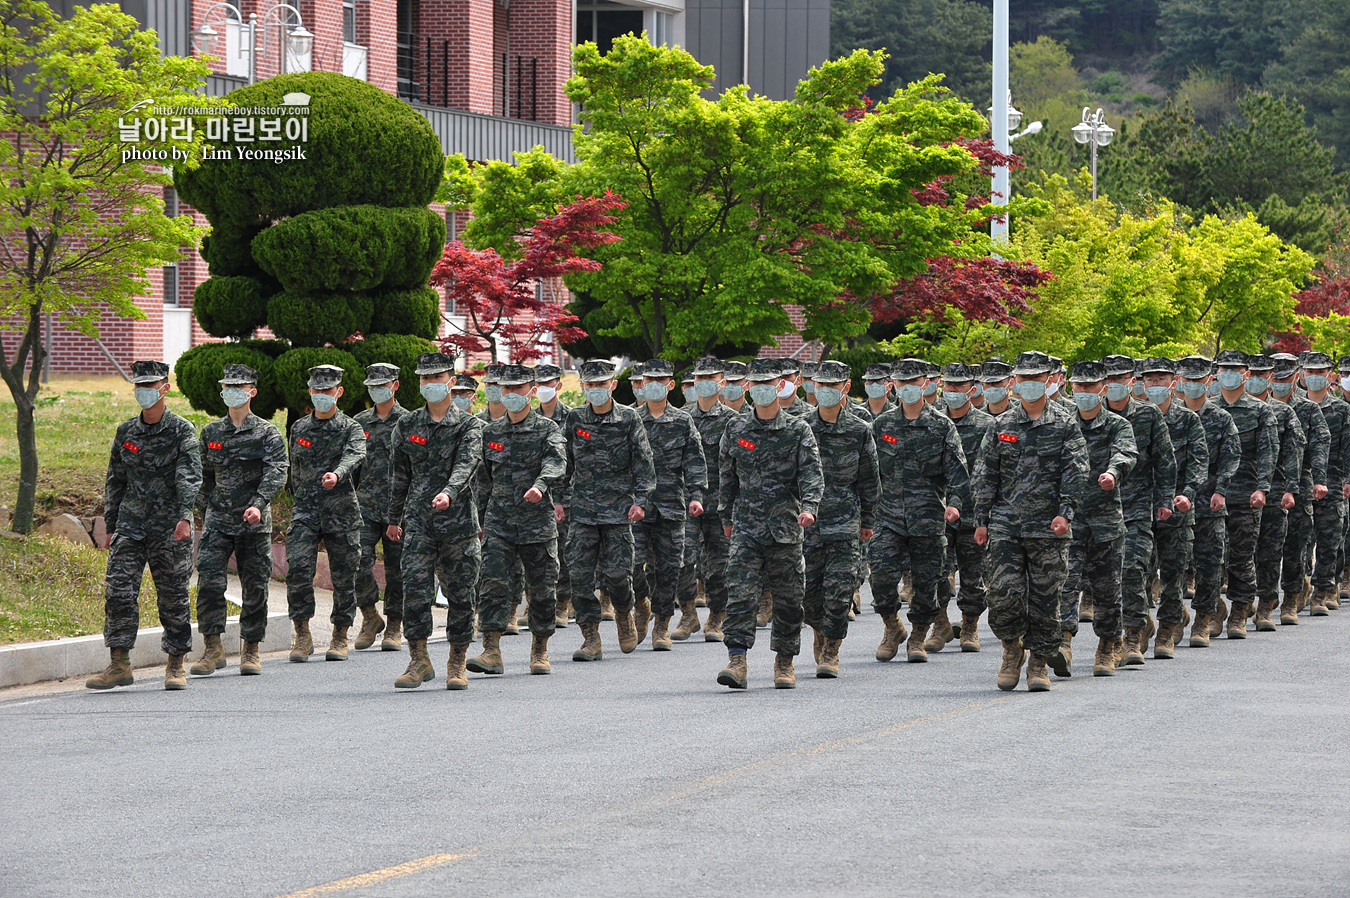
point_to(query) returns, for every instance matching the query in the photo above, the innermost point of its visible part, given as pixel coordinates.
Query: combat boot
(1265, 610)
(1062, 660)
(1146, 634)
(337, 646)
(213, 657)
(701, 592)
(539, 664)
(1085, 613)
(628, 638)
(970, 632)
(735, 673)
(1217, 618)
(914, 649)
(817, 643)
(1237, 621)
(302, 644)
(713, 631)
(941, 633)
(1200, 631)
(372, 625)
(419, 666)
(1164, 646)
(560, 615)
(1333, 600)
(661, 635)
(1104, 665)
(512, 628)
(117, 673)
(456, 676)
(906, 590)
(827, 668)
(784, 677)
(590, 645)
(1319, 604)
(642, 616)
(393, 635)
(174, 676)
(606, 607)
(894, 635)
(1010, 671)
(1179, 629)
(1134, 654)
(1038, 679)
(490, 662)
(764, 616)
(250, 661)
(688, 624)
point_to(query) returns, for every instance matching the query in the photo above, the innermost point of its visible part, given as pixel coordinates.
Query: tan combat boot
(906, 589)
(539, 664)
(1290, 608)
(688, 624)
(970, 632)
(941, 634)
(628, 638)
(894, 635)
(784, 677)
(337, 646)
(606, 607)
(1237, 621)
(1164, 646)
(713, 631)
(1200, 631)
(302, 644)
(817, 643)
(560, 615)
(1134, 654)
(1062, 660)
(250, 661)
(512, 615)
(1179, 629)
(456, 676)
(1318, 607)
(117, 673)
(372, 625)
(642, 616)
(393, 635)
(1085, 612)
(1217, 618)
(1010, 671)
(735, 674)
(1104, 665)
(490, 662)
(661, 635)
(702, 593)
(1146, 634)
(1265, 610)
(914, 649)
(590, 644)
(1038, 678)
(827, 668)
(1333, 599)
(175, 677)
(213, 657)
(764, 616)
(419, 666)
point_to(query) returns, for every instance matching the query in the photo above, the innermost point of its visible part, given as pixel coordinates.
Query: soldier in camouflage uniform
(372, 492)
(1275, 516)
(610, 484)
(1313, 489)
(525, 458)
(154, 473)
(463, 392)
(327, 448)
(877, 385)
(733, 387)
(809, 383)
(930, 389)
(243, 468)
(1055, 388)
(1328, 512)
(996, 376)
(788, 400)
(1027, 481)
(433, 511)
(848, 458)
(771, 489)
(494, 411)
(924, 488)
(548, 380)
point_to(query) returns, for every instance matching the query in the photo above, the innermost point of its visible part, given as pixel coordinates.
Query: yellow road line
(375, 877)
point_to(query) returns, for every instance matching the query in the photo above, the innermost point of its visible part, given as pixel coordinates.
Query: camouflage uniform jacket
(800, 408)
(609, 465)
(516, 458)
(1110, 450)
(241, 468)
(1029, 472)
(1191, 447)
(320, 446)
(1289, 461)
(430, 458)
(1336, 412)
(154, 474)
(711, 426)
(1153, 482)
(1317, 445)
(770, 475)
(861, 408)
(372, 480)
(677, 455)
(848, 458)
(971, 428)
(923, 470)
(1258, 432)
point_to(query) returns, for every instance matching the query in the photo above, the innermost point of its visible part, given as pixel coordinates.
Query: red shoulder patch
(417, 438)
(745, 444)
(303, 442)
(215, 445)
(496, 447)
(888, 438)
(1007, 438)
(366, 434)
(584, 434)
(132, 446)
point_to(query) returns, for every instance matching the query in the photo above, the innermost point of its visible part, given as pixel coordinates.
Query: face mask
(547, 394)
(233, 396)
(1345, 383)
(1138, 389)
(1157, 395)
(690, 394)
(1316, 382)
(875, 389)
(1213, 389)
(810, 387)
(515, 402)
(995, 395)
(596, 396)
(787, 391)
(1193, 389)
(979, 390)
(930, 389)
(463, 403)
(1086, 402)
(322, 402)
(705, 389)
(733, 392)
(954, 400)
(1282, 389)
(1257, 385)
(380, 395)
(655, 392)
(146, 396)
(910, 394)
(1230, 378)
(1051, 390)
(1030, 390)
(493, 393)
(435, 392)
(763, 394)
(1117, 392)
(829, 397)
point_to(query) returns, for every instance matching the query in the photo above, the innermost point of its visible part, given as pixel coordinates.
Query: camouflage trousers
(302, 557)
(367, 590)
(831, 577)
(601, 552)
(170, 563)
(1244, 525)
(1270, 551)
(564, 588)
(658, 556)
(1095, 567)
(253, 556)
(1297, 545)
(754, 567)
(1136, 574)
(887, 553)
(1211, 533)
(1026, 577)
(500, 579)
(1328, 516)
(706, 549)
(430, 559)
(965, 557)
(1174, 543)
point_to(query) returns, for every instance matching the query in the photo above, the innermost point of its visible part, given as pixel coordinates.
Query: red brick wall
(470, 27)
(542, 30)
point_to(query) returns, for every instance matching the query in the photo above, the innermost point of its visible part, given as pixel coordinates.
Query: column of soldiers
(989, 484)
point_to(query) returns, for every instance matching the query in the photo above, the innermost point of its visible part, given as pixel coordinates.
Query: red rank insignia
(132, 446)
(418, 439)
(215, 445)
(888, 438)
(366, 434)
(745, 444)
(1007, 438)
(303, 442)
(496, 447)
(584, 434)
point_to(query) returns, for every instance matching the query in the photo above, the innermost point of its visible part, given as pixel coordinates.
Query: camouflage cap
(831, 372)
(877, 371)
(465, 382)
(809, 370)
(1058, 365)
(658, 368)
(1285, 364)
(909, 369)
(596, 370)
(789, 366)
(762, 369)
(1344, 366)
(1087, 372)
(515, 375)
(325, 377)
(1259, 362)
(148, 372)
(736, 370)
(434, 363)
(932, 369)
(380, 373)
(709, 364)
(995, 370)
(687, 375)
(1231, 358)
(1194, 367)
(1032, 363)
(1157, 365)
(492, 372)
(957, 372)
(239, 374)
(1317, 360)
(1117, 365)
(547, 372)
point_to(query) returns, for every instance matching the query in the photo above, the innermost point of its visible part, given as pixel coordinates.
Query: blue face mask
(435, 392)
(322, 402)
(1117, 392)
(1157, 395)
(876, 389)
(1282, 389)
(463, 403)
(379, 395)
(1193, 389)
(733, 392)
(1316, 382)
(1138, 389)
(1213, 390)
(910, 394)
(1230, 378)
(930, 388)
(596, 396)
(690, 394)
(655, 392)
(705, 389)
(234, 397)
(953, 399)
(829, 397)
(1257, 385)
(1030, 390)
(492, 393)
(146, 396)
(979, 390)
(1086, 402)
(515, 402)
(995, 395)
(763, 394)
(810, 387)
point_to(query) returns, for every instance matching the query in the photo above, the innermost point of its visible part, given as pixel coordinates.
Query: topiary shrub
(310, 321)
(395, 349)
(228, 250)
(415, 312)
(198, 372)
(364, 248)
(290, 373)
(270, 348)
(230, 306)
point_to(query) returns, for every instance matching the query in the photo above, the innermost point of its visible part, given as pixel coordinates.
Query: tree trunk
(28, 466)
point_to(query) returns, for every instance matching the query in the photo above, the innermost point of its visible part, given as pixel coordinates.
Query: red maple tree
(499, 298)
(983, 289)
(1329, 293)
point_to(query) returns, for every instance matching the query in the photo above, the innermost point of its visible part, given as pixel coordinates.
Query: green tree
(80, 223)
(920, 37)
(1315, 67)
(1232, 38)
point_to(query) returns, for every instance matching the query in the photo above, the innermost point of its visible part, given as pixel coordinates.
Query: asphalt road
(1222, 773)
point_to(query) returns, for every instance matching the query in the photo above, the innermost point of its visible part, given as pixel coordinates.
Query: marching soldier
(996, 377)
(1313, 488)
(877, 386)
(463, 392)
(548, 380)
(1274, 516)
(733, 390)
(1328, 512)
(788, 400)
(372, 492)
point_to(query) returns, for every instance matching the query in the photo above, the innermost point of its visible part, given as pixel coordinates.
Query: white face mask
(1345, 383)
(787, 390)
(547, 394)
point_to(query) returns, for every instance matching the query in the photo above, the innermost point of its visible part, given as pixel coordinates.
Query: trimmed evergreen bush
(227, 250)
(416, 312)
(230, 306)
(291, 375)
(198, 372)
(314, 321)
(395, 349)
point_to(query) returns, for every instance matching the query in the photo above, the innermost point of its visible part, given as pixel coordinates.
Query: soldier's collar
(777, 423)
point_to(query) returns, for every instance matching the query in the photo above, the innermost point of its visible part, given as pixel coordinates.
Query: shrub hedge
(395, 349)
(199, 370)
(416, 312)
(314, 321)
(290, 373)
(231, 306)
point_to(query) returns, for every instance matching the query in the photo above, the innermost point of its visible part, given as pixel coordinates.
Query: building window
(349, 21)
(170, 202)
(171, 285)
(406, 41)
(662, 37)
(603, 24)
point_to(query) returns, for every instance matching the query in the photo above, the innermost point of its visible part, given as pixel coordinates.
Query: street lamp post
(1094, 131)
(1002, 180)
(999, 125)
(287, 18)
